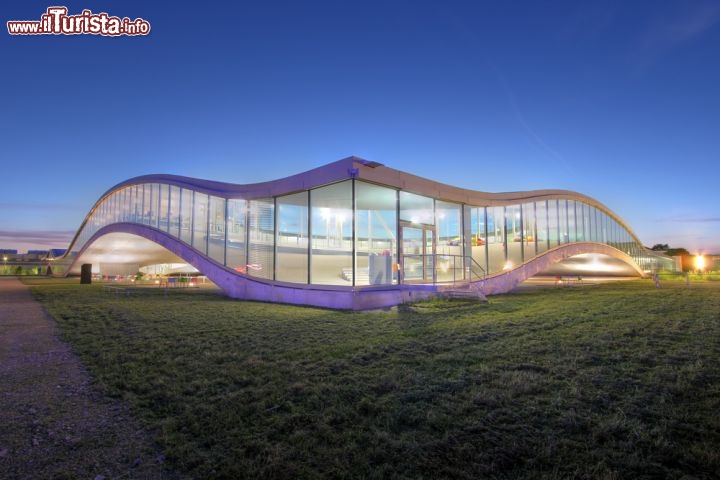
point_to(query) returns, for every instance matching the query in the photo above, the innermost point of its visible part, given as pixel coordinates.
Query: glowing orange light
(699, 262)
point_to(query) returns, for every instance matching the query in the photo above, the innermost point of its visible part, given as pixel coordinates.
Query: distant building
(32, 263)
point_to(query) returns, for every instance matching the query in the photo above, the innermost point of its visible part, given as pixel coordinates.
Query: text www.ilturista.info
(57, 22)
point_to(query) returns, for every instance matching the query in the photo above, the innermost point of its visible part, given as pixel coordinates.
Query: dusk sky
(618, 100)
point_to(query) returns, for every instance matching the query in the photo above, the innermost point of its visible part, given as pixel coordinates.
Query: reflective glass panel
(416, 209)
(164, 204)
(529, 230)
(553, 223)
(541, 218)
(174, 216)
(186, 209)
(200, 219)
(261, 233)
(513, 235)
(449, 248)
(563, 221)
(149, 215)
(332, 241)
(478, 242)
(216, 239)
(236, 237)
(571, 225)
(291, 244)
(376, 234)
(496, 239)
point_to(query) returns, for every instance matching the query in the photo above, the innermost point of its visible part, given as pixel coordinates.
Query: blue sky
(618, 100)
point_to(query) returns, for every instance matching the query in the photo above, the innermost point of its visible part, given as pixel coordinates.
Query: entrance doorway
(417, 252)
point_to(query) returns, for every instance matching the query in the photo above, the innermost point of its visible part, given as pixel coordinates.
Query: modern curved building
(352, 234)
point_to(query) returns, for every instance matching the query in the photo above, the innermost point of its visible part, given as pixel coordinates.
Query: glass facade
(235, 248)
(376, 231)
(356, 233)
(186, 215)
(478, 238)
(496, 240)
(292, 238)
(450, 239)
(331, 227)
(261, 227)
(174, 225)
(529, 238)
(200, 219)
(216, 229)
(513, 235)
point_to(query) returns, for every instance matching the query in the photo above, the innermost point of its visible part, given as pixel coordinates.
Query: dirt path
(53, 424)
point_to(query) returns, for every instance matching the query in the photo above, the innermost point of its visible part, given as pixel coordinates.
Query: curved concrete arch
(506, 281)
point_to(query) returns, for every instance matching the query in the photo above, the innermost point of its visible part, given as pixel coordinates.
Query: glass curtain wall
(186, 209)
(216, 238)
(571, 222)
(579, 222)
(513, 235)
(146, 210)
(121, 205)
(563, 221)
(327, 236)
(416, 209)
(478, 236)
(588, 222)
(615, 234)
(497, 247)
(235, 256)
(164, 202)
(150, 204)
(174, 215)
(417, 212)
(376, 232)
(541, 220)
(553, 223)
(331, 224)
(261, 224)
(529, 231)
(449, 264)
(200, 219)
(291, 238)
(604, 227)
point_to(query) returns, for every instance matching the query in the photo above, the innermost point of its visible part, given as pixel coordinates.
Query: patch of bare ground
(53, 423)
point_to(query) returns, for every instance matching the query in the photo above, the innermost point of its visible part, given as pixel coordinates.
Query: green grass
(610, 381)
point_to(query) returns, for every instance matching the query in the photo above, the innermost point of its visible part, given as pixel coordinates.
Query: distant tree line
(671, 252)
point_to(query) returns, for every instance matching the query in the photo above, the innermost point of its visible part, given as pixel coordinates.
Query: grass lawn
(619, 380)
